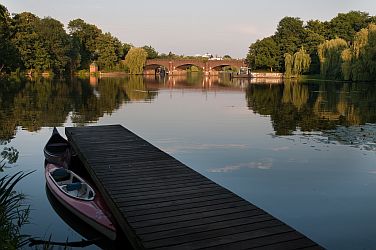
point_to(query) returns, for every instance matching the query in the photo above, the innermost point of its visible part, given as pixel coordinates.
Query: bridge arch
(186, 66)
(209, 66)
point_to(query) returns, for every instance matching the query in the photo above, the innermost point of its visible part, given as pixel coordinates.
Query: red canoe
(80, 198)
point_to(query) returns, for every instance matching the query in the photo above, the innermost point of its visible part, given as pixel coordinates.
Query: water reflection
(45, 102)
(221, 128)
(313, 106)
(292, 106)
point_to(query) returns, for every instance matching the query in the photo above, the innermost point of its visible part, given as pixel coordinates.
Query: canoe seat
(73, 186)
(60, 174)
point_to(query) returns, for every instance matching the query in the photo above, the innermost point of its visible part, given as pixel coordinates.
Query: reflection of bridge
(174, 66)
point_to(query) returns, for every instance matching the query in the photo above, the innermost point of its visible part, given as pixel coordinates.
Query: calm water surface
(305, 152)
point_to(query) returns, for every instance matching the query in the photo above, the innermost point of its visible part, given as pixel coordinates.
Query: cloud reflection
(281, 149)
(191, 147)
(264, 165)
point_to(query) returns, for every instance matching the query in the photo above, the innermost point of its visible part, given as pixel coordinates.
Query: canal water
(305, 152)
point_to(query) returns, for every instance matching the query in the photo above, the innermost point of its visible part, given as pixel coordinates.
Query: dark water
(305, 152)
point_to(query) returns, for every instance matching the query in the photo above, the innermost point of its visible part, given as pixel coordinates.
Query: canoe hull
(92, 212)
(58, 159)
(57, 150)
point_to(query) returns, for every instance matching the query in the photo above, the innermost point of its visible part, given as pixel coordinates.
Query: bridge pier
(171, 67)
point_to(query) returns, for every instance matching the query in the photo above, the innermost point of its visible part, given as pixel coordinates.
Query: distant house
(93, 68)
(207, 55)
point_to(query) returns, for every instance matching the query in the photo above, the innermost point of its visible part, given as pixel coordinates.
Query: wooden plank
(170, 204)
(154, 172)
(206, 227)
(192, 217)
(259, 242)
(159, 194)
(147, 192)
(227, 239)
(223, 232)
(120, 186)
(184, 212)
(164, 197)
(181, 207)
(291, 244)
(160, 203)
(127, 202)
(184, 225)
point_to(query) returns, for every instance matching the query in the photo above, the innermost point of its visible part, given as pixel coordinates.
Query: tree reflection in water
(37, 103)
(313, 106)
(292, 106)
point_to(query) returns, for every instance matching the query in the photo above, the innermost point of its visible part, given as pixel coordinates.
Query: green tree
(26, 39)
(135, 60)
(263, 54)
(74, 54)
(126, 47)
(289, 36)
(345, 25)
(302, 61)
(152, 53)
(9, 57)
(55, 43)
(109, 51)
(3, 13)
(311, 42)
(363, 66)
(370, 51)
(317, 27)
(346, 57)
(330, 53)
(86, 36)
(289, 61)
(42, 43)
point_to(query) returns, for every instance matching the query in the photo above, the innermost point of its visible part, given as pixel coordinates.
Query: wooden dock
(160, 203)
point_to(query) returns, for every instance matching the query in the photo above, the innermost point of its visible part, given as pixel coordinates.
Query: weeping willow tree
(297, 64)
(364, 54)
(371, 50)
(330, 53)
(288, 65)
(135, 60)
(346, 66)
(360, 40)
(302, 61)
(356, 62)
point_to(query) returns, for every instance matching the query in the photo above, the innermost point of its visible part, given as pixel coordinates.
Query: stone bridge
(175, 66)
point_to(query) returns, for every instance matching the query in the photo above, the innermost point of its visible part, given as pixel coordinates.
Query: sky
(219, 27)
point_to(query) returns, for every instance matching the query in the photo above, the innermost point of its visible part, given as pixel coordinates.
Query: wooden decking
(160, 203)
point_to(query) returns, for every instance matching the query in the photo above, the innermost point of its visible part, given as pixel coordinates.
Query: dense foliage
(350, 61)
(342, 48)
(135, 60)
(36, 45)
